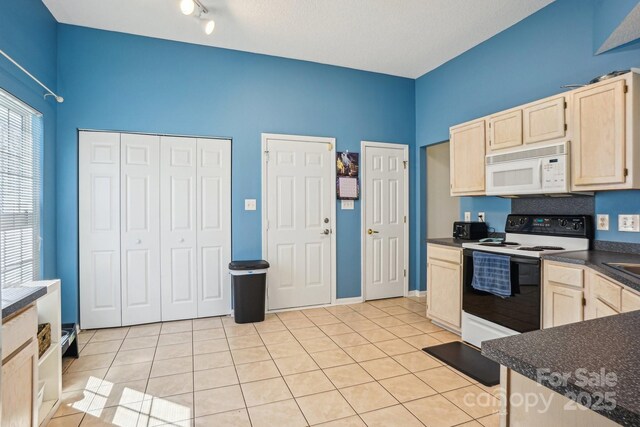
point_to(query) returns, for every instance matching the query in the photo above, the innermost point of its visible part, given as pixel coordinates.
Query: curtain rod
(51, 93)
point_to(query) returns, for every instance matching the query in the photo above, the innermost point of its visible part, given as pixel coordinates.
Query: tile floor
(349, 365)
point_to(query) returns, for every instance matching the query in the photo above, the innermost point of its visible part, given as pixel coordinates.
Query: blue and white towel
(492, 273)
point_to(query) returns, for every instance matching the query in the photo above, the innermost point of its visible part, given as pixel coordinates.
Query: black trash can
(249, 281)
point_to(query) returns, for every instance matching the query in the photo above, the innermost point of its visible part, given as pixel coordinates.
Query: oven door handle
(530, 261)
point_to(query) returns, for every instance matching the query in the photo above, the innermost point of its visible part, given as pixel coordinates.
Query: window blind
(20, 141)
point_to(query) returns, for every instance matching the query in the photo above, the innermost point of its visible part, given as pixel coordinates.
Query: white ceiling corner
(403, 37)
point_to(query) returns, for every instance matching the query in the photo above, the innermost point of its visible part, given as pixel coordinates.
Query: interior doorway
(442, 208)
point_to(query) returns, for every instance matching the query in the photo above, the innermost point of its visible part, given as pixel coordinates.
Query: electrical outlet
(629, 223)
(249, 204)
(481, 216)
(603, 222)
(467, 216)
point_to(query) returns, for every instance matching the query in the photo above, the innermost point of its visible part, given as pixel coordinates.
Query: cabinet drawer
(19, 330)
(564, 275)
(606, 291)
(444, 254)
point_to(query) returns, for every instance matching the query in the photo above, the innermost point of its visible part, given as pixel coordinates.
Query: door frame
(363, 201)
(332, 207)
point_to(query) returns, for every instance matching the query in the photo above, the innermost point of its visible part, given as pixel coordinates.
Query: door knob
(370, 231)
(326, 231)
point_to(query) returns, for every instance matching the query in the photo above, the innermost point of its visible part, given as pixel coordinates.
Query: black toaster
(466, 230)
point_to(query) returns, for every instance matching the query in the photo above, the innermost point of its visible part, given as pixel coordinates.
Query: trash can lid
(257, 264)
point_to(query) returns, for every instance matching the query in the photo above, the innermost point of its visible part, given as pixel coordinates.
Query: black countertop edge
(619, 414)
(24, 301)
(448, 241)
(596, 260)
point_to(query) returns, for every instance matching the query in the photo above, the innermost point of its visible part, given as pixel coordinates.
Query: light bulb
(208, 25)
(187, 6)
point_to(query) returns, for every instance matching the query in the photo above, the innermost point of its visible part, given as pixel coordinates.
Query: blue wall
(28, 34)
(114, 81)
(528, 61)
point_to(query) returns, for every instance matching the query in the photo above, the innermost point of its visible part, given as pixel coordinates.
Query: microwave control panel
(554, 172)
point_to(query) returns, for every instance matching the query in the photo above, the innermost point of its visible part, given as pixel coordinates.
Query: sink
(633, 269)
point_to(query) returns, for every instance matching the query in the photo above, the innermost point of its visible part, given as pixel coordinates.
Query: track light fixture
(195, 8)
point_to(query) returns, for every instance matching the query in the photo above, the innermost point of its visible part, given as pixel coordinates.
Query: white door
(99, 227)
(384, 227)
(140, 226)
(214, 226)
(299, 205)
(178, 228)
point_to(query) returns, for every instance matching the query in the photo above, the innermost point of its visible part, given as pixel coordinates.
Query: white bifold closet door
(195, 217)
(178, 219)
(140, 228)
(99, 228)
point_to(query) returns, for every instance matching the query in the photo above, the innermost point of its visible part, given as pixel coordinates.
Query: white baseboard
(354, 300)
(416, 293)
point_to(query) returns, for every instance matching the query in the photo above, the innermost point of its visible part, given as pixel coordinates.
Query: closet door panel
(99, 228)
(178, 235)
(214, 226)
(140, 228)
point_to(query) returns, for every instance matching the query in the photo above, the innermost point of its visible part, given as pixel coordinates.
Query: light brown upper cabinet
(544, 120)
(505, 130)
(467, 148)
(599, 146)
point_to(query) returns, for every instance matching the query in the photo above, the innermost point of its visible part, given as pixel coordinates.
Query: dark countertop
(449, 241)
(14, 298)
(611, 343)
(595, 259)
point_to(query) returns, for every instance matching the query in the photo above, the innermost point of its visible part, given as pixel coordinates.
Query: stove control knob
(522, 220)
(512, 223)
(576, 226)
(563, 222)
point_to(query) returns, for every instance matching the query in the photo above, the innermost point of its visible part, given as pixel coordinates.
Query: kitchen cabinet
(20, 369)
(599, 135)
(563, 295)
(467, 153)
(444, 286)
(630, 301)
(544, 120)
(505, 130)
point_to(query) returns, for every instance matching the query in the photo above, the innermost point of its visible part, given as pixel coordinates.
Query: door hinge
(626, 172)
(267, 224)
(405, 219)
(566, 126)
(584, 301)
(404, 162)
(626, 88)
(565, 104)
(266, 155)
(405, 272)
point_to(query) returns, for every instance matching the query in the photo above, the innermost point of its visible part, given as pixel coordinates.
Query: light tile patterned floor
(349, 365)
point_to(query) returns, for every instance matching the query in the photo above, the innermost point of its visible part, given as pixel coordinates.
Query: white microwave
(540, 170)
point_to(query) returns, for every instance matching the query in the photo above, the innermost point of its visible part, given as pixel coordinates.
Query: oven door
(521, 311)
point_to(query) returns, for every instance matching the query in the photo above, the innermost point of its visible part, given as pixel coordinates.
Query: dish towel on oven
(492, 273)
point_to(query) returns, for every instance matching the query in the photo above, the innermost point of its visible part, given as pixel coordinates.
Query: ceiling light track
(198, 10)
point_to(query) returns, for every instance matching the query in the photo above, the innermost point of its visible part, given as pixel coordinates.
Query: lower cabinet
(573, 293)
(20, 370)
(444, 286)
(563, 295)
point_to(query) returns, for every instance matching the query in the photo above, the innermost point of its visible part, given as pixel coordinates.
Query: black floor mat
(467, 360)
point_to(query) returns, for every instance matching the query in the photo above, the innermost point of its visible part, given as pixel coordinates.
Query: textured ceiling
(400, 37)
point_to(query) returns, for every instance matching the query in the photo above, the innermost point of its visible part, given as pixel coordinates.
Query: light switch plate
(346, 205)
(467, 216)
(481, 217)
(629, 223)
(603, 222)
(249, 204)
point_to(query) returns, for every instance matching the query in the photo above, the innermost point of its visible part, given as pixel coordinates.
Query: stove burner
(510, 243)
(540, 248)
